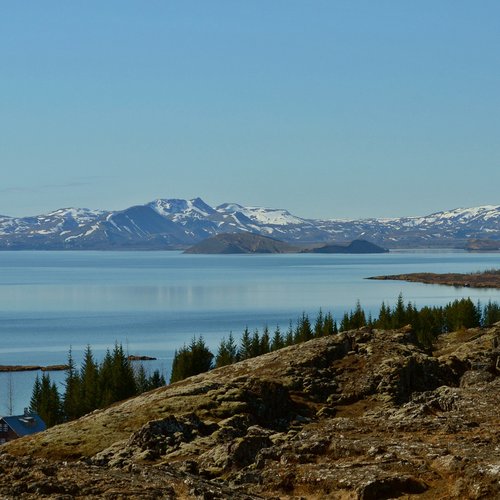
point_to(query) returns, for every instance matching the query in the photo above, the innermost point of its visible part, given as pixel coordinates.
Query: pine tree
(357, 318)
(122, 375)
(329, 326)
(49, 407)
(289, 337)
(319, 325)
(303, 331)
(491, 313)
(106, 381)
(227, 353)
(191, 360)
(255, 344)
(245, 350)
(265, 341)
(36, 394)
(71, 399)
(232, 348)
(384, 320)
(89, 383)
(141, 379)
(277, 342)
(345, 323)
(180, 365)
(399, 315)
(156, 380)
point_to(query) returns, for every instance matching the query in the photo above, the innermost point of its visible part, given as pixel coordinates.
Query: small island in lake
(355, 246)
(235, 243)
(30, 368)
(231, 243)
(486, 279)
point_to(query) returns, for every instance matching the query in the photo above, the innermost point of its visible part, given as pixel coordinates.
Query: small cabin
(16, 426)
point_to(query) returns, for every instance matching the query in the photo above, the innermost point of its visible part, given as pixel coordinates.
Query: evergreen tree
(255, 344)
(265, 342)
(357, 318)
(277, 342)
(106, 396)
(141, 379)
(89, 383)
(232, 348)
(303, 332)
(245, 350)
(461, 314)
(122, 375)
(345, 323)
(319, 325)
(191, 360)
(399, 315)
(156, 380)
(227, 353)
(289, 337)
(36, 396)
(329, 325)
(491, 313)
(49, 406)
(384, 320)
(72, 391)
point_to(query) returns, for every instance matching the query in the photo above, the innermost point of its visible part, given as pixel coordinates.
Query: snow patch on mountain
(177, 223)
(176, 209)
(263, 216)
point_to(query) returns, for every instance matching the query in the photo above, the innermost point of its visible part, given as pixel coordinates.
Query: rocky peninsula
(30, 368)
(486, 279)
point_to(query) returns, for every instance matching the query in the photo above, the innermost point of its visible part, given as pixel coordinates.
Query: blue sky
(328, 108)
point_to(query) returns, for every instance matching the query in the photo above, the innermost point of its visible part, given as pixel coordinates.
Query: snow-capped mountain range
(174, 223)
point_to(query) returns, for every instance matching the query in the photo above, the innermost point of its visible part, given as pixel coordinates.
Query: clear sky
(335, 108)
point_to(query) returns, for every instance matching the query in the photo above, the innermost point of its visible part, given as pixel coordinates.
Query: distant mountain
(356, 246)
(179, 224)
(240, 243)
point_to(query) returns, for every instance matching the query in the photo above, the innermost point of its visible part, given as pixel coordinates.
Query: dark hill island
(231, 243)
(236, 243)
(356, 246)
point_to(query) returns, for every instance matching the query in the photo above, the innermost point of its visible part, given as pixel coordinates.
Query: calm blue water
(153, 302)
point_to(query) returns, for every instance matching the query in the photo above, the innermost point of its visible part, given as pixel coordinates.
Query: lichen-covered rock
(359, 415)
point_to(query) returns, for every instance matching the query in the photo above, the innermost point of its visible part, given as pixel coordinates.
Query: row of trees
(95, 385)
(196, 357)
(427, 323)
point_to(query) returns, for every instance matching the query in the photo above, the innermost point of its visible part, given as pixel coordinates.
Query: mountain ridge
(177, 224)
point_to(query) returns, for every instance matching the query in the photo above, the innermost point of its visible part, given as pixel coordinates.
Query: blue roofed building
(16, 426)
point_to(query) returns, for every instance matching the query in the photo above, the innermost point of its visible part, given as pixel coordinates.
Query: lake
(153, 302)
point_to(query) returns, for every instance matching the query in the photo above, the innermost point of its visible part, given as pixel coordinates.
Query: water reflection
(153, 302)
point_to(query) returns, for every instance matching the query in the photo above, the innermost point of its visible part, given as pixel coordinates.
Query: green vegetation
(93, 386)
(191, 360)
(99, 385)
(427, 323)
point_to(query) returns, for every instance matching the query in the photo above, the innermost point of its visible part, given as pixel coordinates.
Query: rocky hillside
(359, 415)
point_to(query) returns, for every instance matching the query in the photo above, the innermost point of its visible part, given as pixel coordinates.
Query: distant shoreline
(57, 368)
(487, 279)
(32, 368)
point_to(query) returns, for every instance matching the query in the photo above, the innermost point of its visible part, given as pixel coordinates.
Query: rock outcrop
(364, 414)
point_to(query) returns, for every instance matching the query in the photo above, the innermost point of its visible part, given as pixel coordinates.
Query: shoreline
(32, 368)
(55, 368)
(488, 279)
